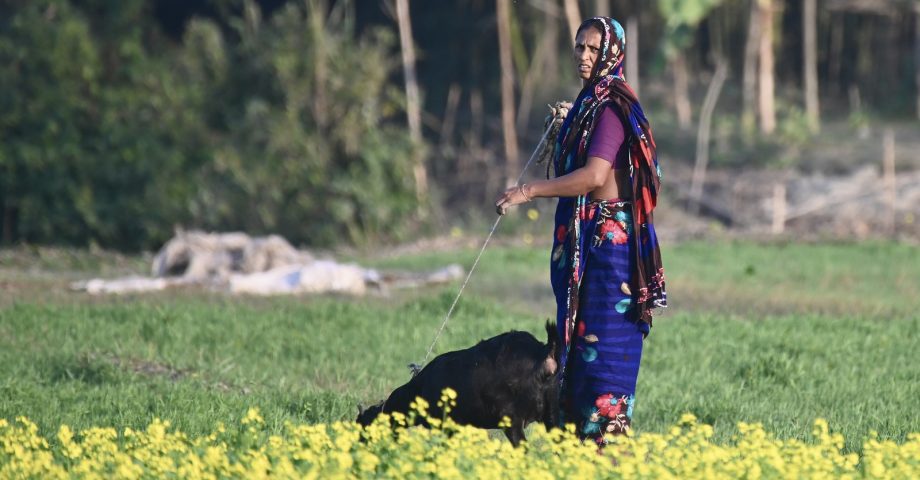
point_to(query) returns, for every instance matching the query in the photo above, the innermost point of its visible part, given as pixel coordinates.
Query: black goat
(510, 375)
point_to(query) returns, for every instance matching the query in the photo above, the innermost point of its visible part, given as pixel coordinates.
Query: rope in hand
(415, 367)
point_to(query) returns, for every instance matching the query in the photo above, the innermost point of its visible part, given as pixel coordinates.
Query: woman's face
(587, 49)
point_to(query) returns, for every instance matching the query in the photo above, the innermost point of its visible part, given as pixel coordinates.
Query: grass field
(778, 334)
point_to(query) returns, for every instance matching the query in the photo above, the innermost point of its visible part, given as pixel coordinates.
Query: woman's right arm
(579, 182)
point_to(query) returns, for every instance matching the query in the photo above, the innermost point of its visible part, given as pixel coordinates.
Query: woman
(606, 267)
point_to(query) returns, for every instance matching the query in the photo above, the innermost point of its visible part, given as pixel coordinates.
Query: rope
(414, 367)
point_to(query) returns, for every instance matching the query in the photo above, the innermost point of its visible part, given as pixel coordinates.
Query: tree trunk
(512, 162)
(766, 96)
(551, 32)
(810, 67)
(917, 55)
(533, 76)
(450, 114)
(681, 92)
(835, 54)
(469, 161)
(703, 135)
(749, 73)
(572, 16)
(601, 8)
(632, 50)
(413, 103)
(8, 227)
(317, 12)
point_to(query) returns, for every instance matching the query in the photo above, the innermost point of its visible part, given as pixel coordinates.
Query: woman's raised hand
(512, 196)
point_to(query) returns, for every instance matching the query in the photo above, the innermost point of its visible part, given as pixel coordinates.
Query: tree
(281, 166)
(572, 16)
(766, 76)
(749, 71)
(512, 162)
(413, 103)
(632, 48)
(96, 134)
(681, 20)
(810, 60)
(917, 55)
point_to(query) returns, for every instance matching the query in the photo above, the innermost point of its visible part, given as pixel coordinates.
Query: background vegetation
(121, 120)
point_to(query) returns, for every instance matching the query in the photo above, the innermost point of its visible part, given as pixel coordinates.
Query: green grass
(779, 334)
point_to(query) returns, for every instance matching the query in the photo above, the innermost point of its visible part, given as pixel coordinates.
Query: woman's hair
(590, 23)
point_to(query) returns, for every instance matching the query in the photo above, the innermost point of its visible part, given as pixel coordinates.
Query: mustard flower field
(774, 361)
(343, 450)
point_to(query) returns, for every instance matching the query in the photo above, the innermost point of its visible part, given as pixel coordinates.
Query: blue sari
(606, 265)
(601, 363)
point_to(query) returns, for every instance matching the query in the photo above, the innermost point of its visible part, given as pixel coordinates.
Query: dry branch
(703, 134)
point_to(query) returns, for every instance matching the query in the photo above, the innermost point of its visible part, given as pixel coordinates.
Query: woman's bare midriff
(616, 186)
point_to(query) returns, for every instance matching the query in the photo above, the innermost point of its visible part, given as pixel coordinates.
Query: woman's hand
(512, 196)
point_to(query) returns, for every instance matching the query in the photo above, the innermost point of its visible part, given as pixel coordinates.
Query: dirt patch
(154, 369)
(145, 368)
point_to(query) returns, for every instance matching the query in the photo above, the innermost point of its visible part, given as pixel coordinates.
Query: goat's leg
(515, 433)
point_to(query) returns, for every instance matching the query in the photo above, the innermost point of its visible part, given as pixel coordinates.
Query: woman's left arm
(579, 182)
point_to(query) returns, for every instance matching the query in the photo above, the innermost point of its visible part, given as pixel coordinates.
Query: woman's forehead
(589, 36)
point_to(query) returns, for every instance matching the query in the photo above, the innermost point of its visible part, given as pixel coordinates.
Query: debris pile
(861, 204)
(240, 264)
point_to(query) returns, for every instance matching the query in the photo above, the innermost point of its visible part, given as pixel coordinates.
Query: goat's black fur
(511, 375)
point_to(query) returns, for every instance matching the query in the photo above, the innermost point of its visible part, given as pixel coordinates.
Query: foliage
(307, 152)
(120, 120)
(248, 450)
(681, 18)
(114, 138)
(95, 130)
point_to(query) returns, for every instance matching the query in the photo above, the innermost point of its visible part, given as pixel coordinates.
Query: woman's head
(600, 46)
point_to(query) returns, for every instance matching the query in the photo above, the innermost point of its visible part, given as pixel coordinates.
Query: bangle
(523, 193)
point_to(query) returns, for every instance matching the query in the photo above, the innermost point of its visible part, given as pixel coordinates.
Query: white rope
(418, 367)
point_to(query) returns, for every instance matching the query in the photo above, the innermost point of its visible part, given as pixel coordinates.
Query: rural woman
(605, 264)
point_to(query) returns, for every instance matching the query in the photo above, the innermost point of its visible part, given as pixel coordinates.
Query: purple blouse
(607, 140)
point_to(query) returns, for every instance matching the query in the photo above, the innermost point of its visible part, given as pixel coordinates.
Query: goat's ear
(360, 409)
(552, 340)
(552, 335)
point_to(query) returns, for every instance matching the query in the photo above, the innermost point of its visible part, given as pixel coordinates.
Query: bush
(114, 136)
